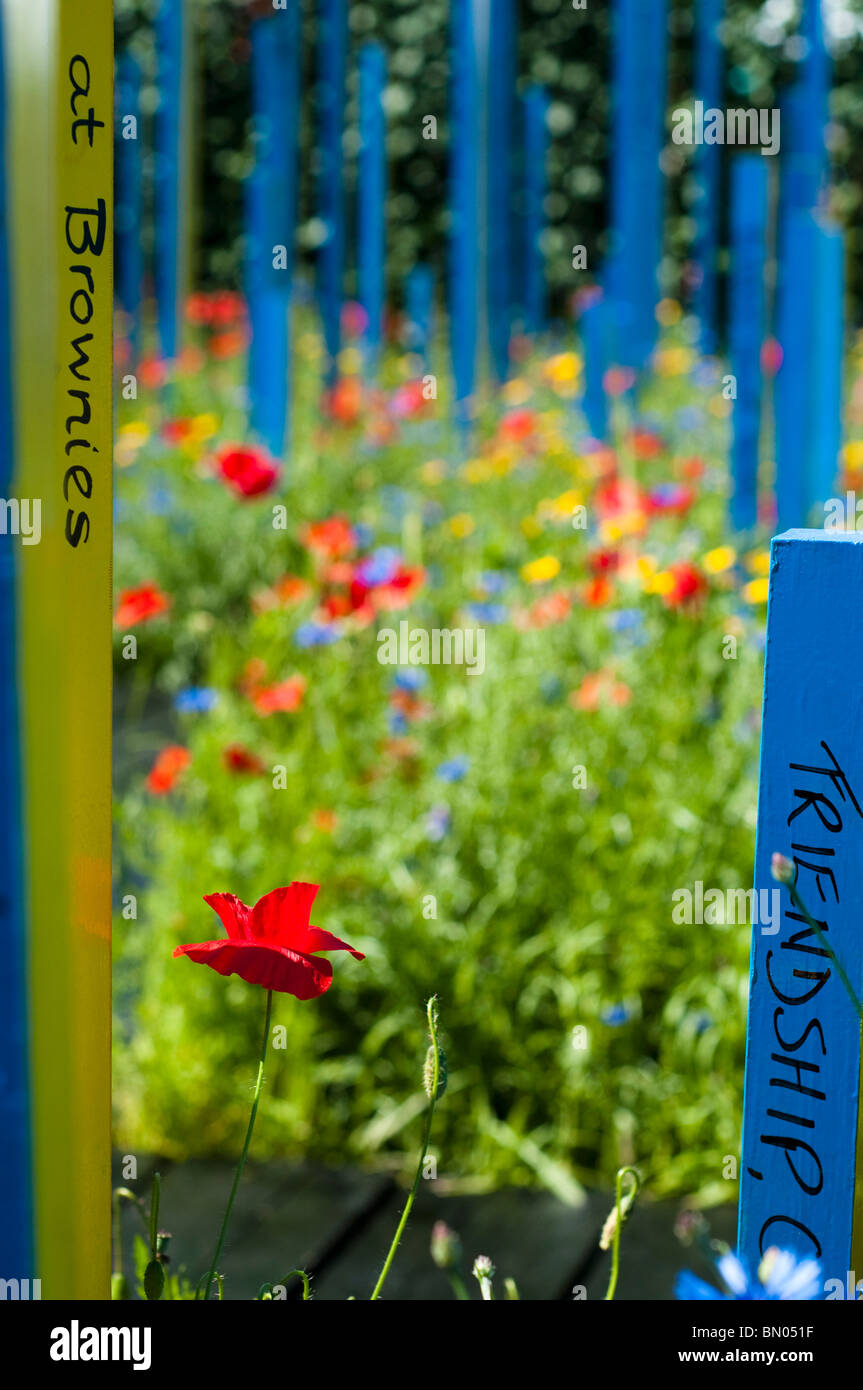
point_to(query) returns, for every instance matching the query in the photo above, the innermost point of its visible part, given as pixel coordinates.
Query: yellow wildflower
(756, 591)
(722, 558)
(542, 570)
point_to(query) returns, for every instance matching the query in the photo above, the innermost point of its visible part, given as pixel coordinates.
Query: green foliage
(553, 904)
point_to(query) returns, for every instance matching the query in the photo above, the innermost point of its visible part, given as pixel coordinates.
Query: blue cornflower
(781, 1275)
(397, 722)
(161, 500)
(490, 613)
(410, 679)
(312, 634)
(380, 567)
(625, 619)
(493, 581)
(196, 699)
(616, 1014)
(437, 822)
(453, 770)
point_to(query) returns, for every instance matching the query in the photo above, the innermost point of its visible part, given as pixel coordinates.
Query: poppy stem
(259, 1086)
(433, 1086)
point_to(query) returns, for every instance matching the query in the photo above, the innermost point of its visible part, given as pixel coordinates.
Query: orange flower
(597, 688)
(324, 820)
(288, 590)
(284, 698)
(343, 402)
(139, 605)
(597, 591)
(167, 768)
(333, 538)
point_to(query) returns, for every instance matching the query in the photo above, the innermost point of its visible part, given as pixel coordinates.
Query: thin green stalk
(840, 970)
(621, 1209)
(433, 1094)
(458, 1286)
(259, 1085)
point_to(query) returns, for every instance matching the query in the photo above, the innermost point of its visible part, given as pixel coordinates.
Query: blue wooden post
(637, 184)
(536, 188)
(332, 58)
(128, 202)
(806, 112)
(372, 198)
(464, 207)
(271, 211)
(827, 365)
(794, 380)
(168, 171)
(709, 62)
(797, 1188)
(747, 328)
(419, 306)
(500, 209)
(594, 327)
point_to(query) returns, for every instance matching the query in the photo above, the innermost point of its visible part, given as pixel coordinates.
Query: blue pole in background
(419, 306)
(828, 366)
(795, 378)
(464, 227)
(16, 1194)
(536, 187)
(372, 198)
(500, 213)
(709, 88)
(332, 59)
(167, 170)
(128, 200)
(595, 345)
(639, 80)
(271, 210)
(806, 113)
(747, 304)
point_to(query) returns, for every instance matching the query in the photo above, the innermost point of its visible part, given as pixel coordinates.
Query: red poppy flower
(333, 538)
(597, 591)
(285, 697)
(271, 944)
(249, 471)
(167, 768)
(689, 586)
(229, 344)
(239, 759)
(138, 605)
(518, 425)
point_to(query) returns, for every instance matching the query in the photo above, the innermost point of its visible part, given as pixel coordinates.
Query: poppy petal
(316, 939)
(233, 914)
(272, 967)
(283, 915)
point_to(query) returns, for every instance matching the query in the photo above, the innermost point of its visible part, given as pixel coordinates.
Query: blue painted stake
(797, 1186)
(271, 211)
(168, 171)
(794, 380)
(828, 366)
(747, 328)
(332, 58)
(419, 306)
(709, 61)
(128, 201)
(637, 184)
(500, 209)
(536, 188)
(595, 344)
(372, 198)
(16, 1187)
(464, 204)
(806, 113)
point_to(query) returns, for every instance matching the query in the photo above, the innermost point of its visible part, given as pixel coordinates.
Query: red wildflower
(139, 605)
(617, 497)
(229, 344)
(645, 444)
(167, 768)
(238, 759)
(283, 698)
(271, 944)
(175, 431)
(343, 401)
(518, 425)
(333, 538)
(689, 586)
(248, 470)
(603, 561)
(597, 592)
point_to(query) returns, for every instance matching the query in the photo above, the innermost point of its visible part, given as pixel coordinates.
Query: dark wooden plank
(651, 1256)
(530, 1236)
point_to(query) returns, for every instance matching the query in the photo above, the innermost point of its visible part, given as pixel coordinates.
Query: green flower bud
(428, 1073)
(445, 1246)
